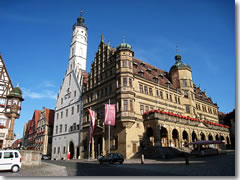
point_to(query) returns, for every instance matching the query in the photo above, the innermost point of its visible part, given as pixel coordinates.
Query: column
(75, 152)
(157, 136)
(93, 151)
(103, 145)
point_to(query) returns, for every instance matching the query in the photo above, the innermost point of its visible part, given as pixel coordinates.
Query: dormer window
(155, 69)
(141, 73)
(155, 79)
(142, 64)
(161, 75)
(135, 64)
(148, 70)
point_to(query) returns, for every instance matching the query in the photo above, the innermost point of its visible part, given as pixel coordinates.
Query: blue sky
(35, 38)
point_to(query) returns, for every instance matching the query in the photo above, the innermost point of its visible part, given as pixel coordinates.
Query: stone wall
(30, 158)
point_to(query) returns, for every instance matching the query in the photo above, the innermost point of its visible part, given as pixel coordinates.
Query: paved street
(221, 165)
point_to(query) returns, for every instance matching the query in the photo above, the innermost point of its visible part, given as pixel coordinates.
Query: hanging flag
(92, 116)
(110, 114)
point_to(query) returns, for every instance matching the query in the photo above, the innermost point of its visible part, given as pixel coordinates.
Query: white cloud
(48, 84)
(46, 94)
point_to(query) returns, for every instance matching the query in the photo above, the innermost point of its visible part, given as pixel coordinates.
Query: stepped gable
(151, 72)
(49, 116)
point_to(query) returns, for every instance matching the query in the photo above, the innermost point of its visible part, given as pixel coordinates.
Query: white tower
(68, 110)
(78, 50)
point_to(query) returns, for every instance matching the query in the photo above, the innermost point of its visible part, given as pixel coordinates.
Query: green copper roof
(16, 92)
(124, 46)
(179, 64)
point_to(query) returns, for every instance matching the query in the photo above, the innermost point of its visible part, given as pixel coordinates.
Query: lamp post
(13, 108)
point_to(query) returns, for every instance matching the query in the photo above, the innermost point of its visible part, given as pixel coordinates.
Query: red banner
(110, 114)
(93, 117)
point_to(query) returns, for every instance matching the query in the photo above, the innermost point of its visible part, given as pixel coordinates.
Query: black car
(46, 157)
(111, 158)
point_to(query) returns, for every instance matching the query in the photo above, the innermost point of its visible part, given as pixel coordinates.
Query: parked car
(111, 158)
(10, 160)
(46, 157)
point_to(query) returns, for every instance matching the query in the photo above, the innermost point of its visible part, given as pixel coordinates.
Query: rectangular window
(124, 82)
(184, 83)
(57, 116)
(157, 93)
(150, 91)
(65, 127)
(130, 82)
(185, 94)
(61, 114)
(124, 63)
(78, 108)
(60, 129)
(110, 89)
(170, 97)
(131, 105)
(167, 96)
(141, 109)
(146, 108)
(125, 105)
(72, 110)
(54, 152)
(187, 108)
(66, 112)
(56, 129)
(140, 88)
(61, 100)
(8, 155)
(58, 150)
(75, 93)
(161, 94)
(145, 90)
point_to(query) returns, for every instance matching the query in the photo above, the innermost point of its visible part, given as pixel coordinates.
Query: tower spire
(124, 38)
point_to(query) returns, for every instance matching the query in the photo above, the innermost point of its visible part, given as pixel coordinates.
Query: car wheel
(15, 168)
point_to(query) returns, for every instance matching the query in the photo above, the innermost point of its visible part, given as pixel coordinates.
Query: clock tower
(68, 110)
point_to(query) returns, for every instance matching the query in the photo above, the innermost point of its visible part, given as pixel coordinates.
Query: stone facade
(137, 87)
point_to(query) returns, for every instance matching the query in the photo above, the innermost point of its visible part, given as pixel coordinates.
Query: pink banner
(92, 116)
(110, 114)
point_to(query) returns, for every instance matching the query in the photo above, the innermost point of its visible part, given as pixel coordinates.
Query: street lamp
(13, 108)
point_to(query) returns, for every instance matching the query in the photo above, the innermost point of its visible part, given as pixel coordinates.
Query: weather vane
(81, 12)
(177, 49)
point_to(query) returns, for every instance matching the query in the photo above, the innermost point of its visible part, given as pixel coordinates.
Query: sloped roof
(151, 72)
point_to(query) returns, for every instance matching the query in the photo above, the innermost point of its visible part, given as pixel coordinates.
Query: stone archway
(217, 137)
(194, 136)
(185, 136)
(222, 138)
(175, 137)
(71, 149)
(210, 137)
(164, 137)
(202, 135)
(150, 137)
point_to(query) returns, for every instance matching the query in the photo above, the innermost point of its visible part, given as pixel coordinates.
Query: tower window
(186, 94)
(141, 88)
(184, 83)
(125, 104)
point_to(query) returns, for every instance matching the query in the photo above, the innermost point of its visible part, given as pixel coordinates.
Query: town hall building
(153, 107)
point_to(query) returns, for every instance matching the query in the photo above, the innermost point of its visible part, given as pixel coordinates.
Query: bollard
(142, 159)
(68, 156)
